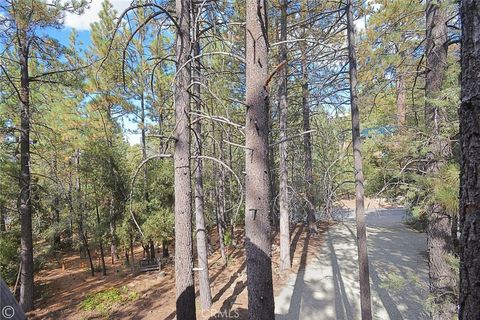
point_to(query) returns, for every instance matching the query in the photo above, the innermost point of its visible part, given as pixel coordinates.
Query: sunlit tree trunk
(144, 146)
(307, 137)
(219, 203)
(283, 108)
(364, 274)
(26, 251)
(201, 231)
(442, 280)
(185, 304)
(257, 184)
(221, 218)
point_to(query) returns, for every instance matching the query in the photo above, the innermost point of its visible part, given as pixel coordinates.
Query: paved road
(328, 286)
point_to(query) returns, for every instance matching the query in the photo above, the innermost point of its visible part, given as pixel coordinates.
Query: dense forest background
(88, 130)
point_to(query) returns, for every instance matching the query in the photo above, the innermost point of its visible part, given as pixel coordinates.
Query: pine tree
(25, 17)
(469, 307)
(257, 179)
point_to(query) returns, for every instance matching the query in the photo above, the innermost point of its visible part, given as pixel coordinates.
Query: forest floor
(328, 285)
(69, 293)
(322, 281)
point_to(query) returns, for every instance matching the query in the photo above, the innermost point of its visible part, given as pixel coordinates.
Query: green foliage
(104, 301)
(9, 255)
(227, 237)
(446, 188)
(394, 282)
(160, 225)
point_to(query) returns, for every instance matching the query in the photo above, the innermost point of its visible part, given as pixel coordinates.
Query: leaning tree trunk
(470, 162)
(201, 231)
(185, 304)
(257, 184)
(87, 250)
(441, 277)
(282, 108)
(364, 274)
(26, 253)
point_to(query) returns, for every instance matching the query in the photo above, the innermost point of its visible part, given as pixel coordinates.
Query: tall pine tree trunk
(470, 162)
(185, 304)
(283, 147)
(439, 239)
(201, 231)
(257, 184)
(26, 252)
(113, 233)
(307, 137)
(221, 218)
(144, 146)
(78, 207)
(219, 203)
(364, 274)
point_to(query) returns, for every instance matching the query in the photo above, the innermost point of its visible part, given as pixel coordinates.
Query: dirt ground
(60, 291)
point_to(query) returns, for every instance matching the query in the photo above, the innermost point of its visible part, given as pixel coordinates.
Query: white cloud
(360, 24)
(82, 22)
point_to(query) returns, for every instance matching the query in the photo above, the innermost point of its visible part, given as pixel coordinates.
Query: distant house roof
(378, 131)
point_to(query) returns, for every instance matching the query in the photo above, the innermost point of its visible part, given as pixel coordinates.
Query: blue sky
(81, 23)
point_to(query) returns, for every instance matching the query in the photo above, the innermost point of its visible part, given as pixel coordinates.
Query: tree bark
(401, 100)
(219, 203)
(201, 231)
(436, 57)
(26, 253)
(307, 138)
(470, 162)
(165, 253)
(56, 240)
(257, 184)
(3, 216)
(442, 280)
(87, 250)
(285, 261)
(151, 246)
(144, 146)
(113, 235)
(364, 273)
(185, 304)
(102, 253)
(132, 254)
(221, 221)
(78, 208)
